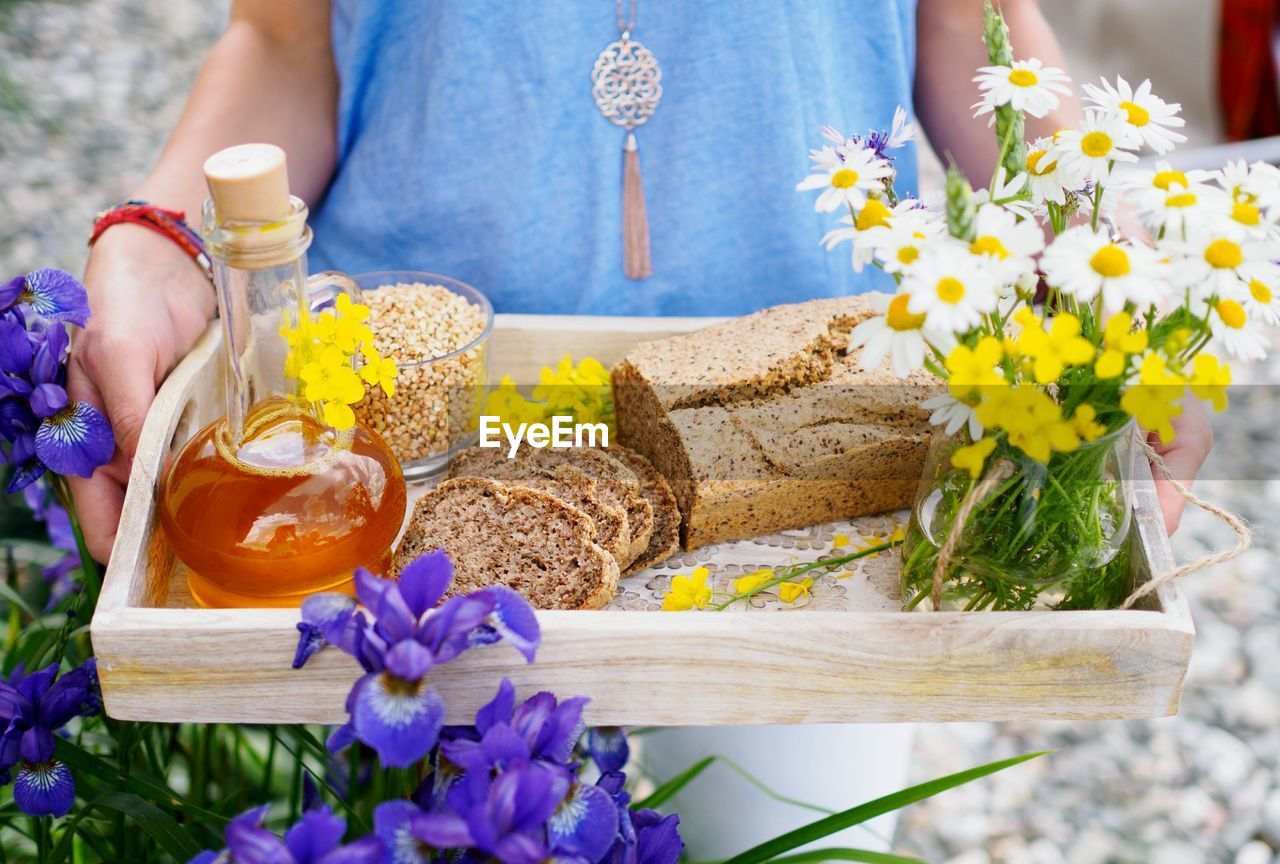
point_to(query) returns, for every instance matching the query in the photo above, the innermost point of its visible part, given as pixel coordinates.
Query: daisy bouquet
(1076, 296)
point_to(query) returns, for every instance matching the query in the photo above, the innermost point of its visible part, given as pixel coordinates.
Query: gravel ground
(87, 92)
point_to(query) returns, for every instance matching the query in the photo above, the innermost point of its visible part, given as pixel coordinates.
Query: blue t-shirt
(470, 146)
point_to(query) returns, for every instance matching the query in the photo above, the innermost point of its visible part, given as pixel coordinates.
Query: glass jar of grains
(437, 331)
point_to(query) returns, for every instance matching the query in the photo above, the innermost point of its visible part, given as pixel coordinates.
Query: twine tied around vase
(1002, 469)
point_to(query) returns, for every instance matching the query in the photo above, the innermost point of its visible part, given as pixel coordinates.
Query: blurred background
(88, 90)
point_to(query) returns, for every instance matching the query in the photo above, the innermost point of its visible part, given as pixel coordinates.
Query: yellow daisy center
(1245, 213)
(1110, 261)
(1096, 144)
(1224, 254)
(1260, 291)
(1023, 78)
(874, 214)
(1182, 199)
(844, 178)
(899, 318)
(1231, 313)
(1165, 179)
(950, 289)
(1138, 116)
(908, 254)
(988, 245)
(1033, 163)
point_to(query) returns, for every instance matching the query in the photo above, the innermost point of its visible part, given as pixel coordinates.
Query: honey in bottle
(269, 503)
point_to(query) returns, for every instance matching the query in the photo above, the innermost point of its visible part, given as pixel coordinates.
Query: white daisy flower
(1087, 153)
(1210, 261)
(1007, 193)
(1168, 200)
(1232, 329)
(874, 214)
(1148, 119)
(1046, 180)
(1011, 245)
(950, 287)
(897, 333)
(1243, 191)
(845, 176)
(896, 240)
(1260, 299)
(1027, 85)
(1081, 263)
(953, 414)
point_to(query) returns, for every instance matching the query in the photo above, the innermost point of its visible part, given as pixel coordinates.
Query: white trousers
(832, 766)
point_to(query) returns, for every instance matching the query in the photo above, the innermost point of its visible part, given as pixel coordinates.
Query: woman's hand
(149, 303)
(1192, 441)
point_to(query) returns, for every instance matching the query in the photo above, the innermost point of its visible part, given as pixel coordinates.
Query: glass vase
(1046, 536)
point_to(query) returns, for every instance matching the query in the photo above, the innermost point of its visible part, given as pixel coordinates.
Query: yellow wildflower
(1119, 341)
(790, 592)
(1210, 379)
(378, 371)
(973, 368)
(505, 402)
(687, 592)
(972, 457)
(751, 581)
(840, 541)
(1053, 350)
(1084, 421)
(1156, 399)
(582, 391)
(339, 415)
(1031, 418)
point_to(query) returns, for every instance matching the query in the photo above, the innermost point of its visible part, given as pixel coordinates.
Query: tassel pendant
(636, 263)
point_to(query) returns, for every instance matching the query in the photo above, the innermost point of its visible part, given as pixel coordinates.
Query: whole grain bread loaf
(666, 513)
(565, 481)
(526, 539)
(767, 422)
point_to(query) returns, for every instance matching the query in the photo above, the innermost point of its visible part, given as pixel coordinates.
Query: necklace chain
(625, 25)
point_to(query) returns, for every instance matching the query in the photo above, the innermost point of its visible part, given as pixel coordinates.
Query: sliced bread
(565, 481)
(529, 540)
(665, 541)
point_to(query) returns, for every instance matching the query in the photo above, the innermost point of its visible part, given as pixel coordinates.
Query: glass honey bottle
(270, 503)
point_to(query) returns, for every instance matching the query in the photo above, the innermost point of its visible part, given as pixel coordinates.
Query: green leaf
(162, 827)
(664, 792)
(770, 849)
(79, 759)
(818, 856)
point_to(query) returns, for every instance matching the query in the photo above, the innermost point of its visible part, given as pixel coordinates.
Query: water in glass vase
(294, 510)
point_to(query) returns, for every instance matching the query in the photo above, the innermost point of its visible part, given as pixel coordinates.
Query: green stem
(783, 574)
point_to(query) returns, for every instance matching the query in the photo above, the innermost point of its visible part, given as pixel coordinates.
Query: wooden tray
(162, 660)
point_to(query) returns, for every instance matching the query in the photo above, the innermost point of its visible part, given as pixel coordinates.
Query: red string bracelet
(169, 223)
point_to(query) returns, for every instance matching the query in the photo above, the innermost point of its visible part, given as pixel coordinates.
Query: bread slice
(565, 481)
(665, 541)
(616, 482)
(523, 538)
(768, 422)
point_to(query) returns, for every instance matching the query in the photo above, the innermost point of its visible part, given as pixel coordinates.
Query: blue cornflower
(316, 838)
(391, 707)
(52, 294)
(44, 429)
(33, 709)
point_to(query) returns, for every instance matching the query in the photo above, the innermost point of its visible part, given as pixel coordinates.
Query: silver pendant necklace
(627, 86)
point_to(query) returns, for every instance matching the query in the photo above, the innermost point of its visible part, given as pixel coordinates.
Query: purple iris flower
(33, 709)
(316, 838)
(391, 707)
(608, 748)
(43, 427)
(657, 839)
(53, 294)
(61, 575)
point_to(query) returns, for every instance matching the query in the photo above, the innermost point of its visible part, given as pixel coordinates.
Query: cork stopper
(249, 183)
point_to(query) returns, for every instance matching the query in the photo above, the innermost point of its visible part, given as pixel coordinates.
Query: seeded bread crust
(766, 422)
(566, 482)
(665, 541)
(528, 540)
